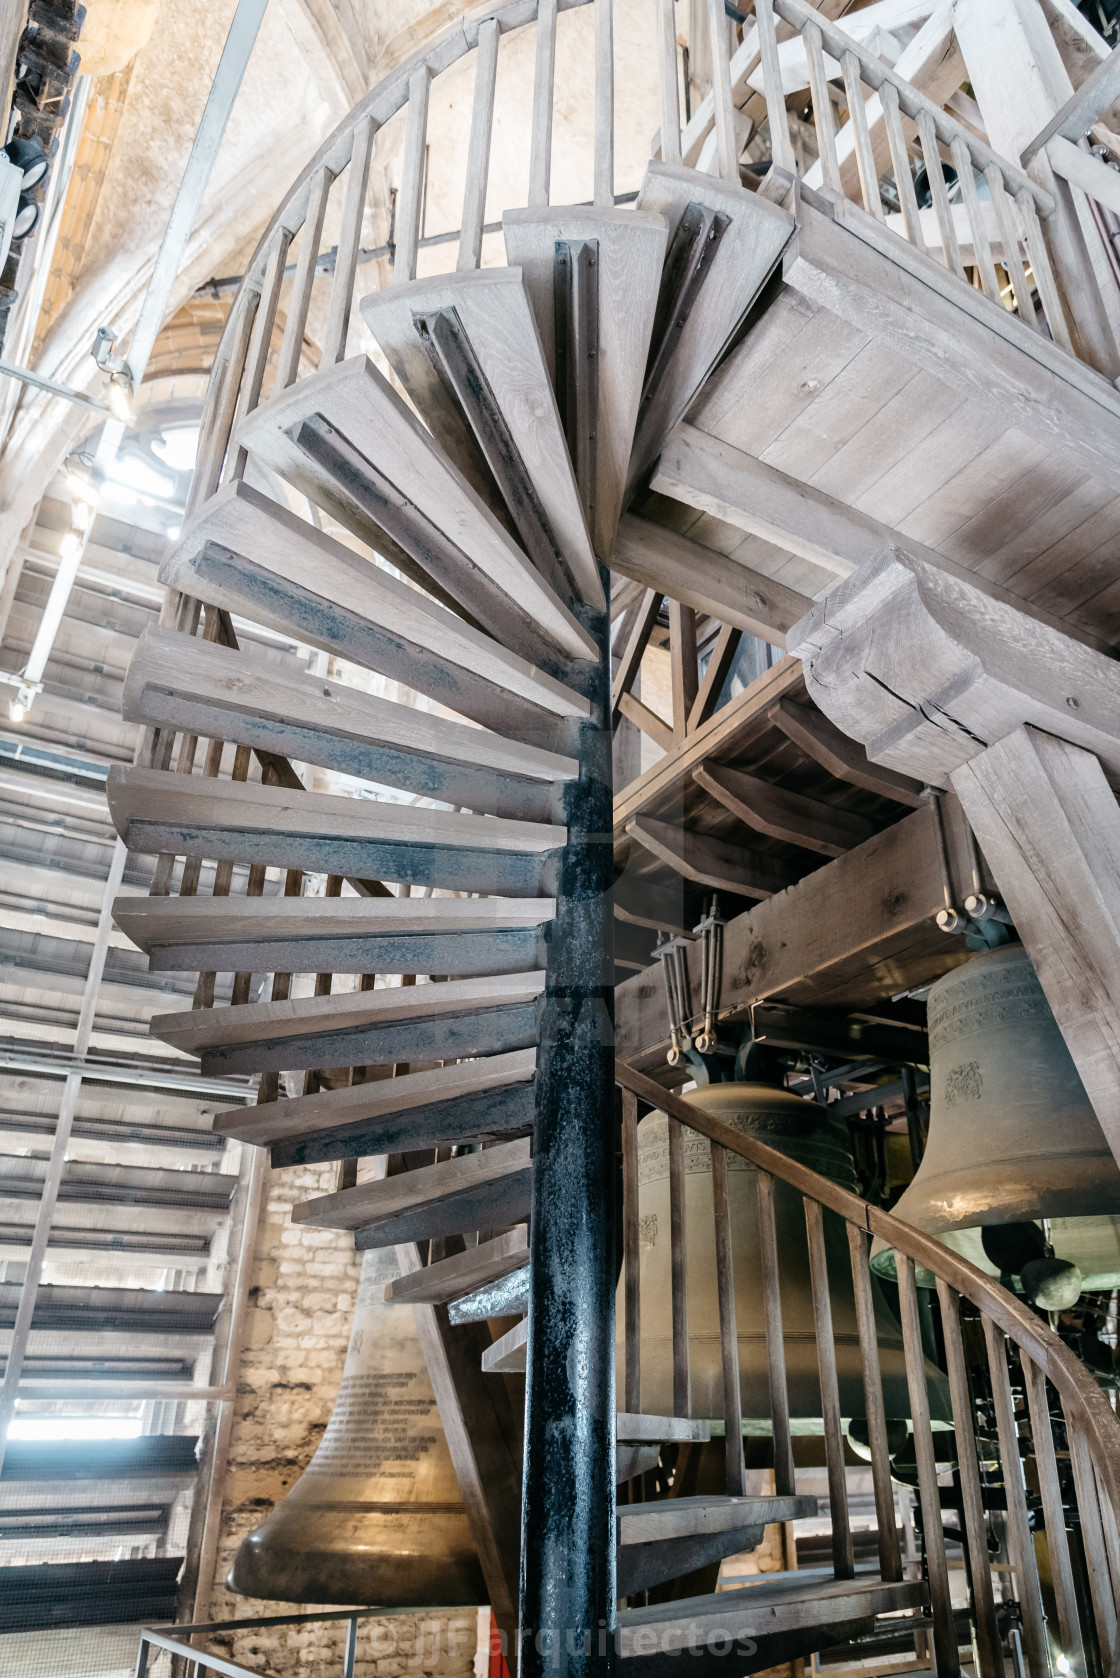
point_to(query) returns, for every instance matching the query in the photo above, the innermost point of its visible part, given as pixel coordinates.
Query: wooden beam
(648, 721)
(736, 725)
(708, 581)
(683, 666)
(927, 671)
(710, 862)
(1082, 109)
(719, 666)
(849, 934)
(821, 740)
(781, 814)
(630, 662)
(1049, 826)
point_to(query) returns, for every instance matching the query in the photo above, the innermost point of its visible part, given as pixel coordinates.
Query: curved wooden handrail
(1094, 1414)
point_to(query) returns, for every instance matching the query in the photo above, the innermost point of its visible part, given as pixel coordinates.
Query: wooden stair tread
(497, 318)
(248, 554)
(467, 937)
(382, 1099)
(449, 1278)
(494, 579)
(631, 254)
(641, 1425)
(430, 1188)
(789, 1601)
(679, 1517)
(157, 810)
(757, 233)
(195, 1029)
(188, 683)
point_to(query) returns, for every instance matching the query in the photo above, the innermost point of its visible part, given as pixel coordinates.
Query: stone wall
(303, 1288)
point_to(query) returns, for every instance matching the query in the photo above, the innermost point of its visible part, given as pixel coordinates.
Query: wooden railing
(1057, 1432)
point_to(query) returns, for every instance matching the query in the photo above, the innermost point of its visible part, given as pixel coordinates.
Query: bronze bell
(376, 1516)
(1013, 1137)
(807, 1133)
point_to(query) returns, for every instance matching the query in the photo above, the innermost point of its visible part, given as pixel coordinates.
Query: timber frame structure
(830, 413)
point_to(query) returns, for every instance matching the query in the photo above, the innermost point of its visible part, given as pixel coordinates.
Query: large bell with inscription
(1013, 1138)
(376, 1516)
(807, 1133)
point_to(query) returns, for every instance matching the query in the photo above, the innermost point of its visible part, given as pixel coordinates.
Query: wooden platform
(890, 400)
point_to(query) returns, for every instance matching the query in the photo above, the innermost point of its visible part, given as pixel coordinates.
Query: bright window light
(137, 474)
(123, 497)
(177, 447)
(75, 1427)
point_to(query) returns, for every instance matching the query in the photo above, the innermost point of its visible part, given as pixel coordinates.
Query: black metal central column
(568, 1498)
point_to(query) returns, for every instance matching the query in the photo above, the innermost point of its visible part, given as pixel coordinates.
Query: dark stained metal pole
(568, 1499)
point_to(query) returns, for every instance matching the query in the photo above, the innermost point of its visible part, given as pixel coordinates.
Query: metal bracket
(674, 971)
(576, 325)
(709, 929)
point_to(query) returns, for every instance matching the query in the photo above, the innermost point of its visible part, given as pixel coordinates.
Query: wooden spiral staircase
(492, 490)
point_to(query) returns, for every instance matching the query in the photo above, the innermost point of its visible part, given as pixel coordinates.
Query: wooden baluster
(900, 163)
(1052, 306)
(781, 146)
(349, 241)
(1009, 239)
(946, 1655)
(843, 1554)
(683, 665)
(822, 109)
(670, 93)
(1057, 1541)
(216, 425)
(260, 346)
(604, 103)
(975, 1530)
(410, 198)
(950, 248)
(540, 144)
(633, 649)
(1092, 1534)
(255, 888)
(299, 301)
(682, 1378)
(1111, 1540)
(720, 663)
(269, 1087)
(890, 1557)
(728, 1329)
(981, 244)
(223, 877)
(1019, 1540)
(784, 1482)
(861, 133)
(312, 1079)
(727, 148)
(478, 147)
(630, 1254)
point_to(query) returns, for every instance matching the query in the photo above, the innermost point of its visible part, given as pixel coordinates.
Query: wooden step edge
(639, 1523)
(150, 921)
(195, 1029)
(371, 1202)
(439, 1283)
(380, 1099)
